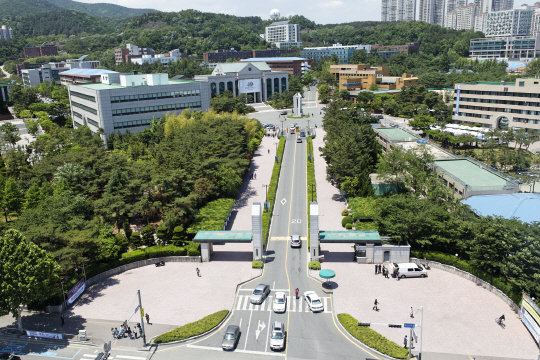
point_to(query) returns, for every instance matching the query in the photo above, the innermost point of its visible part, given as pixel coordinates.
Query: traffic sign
(407, 325)
(142, 312)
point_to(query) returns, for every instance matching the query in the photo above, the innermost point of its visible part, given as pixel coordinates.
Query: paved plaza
(459, 316)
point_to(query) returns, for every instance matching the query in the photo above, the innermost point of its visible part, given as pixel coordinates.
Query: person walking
(147, 318)
(129, 333)
(255, 176)
(405, 342)
(412, 312)
(62, 319)
(375, 305)
(296, 292)
(375, 269)
(116, 332)
(198, 272)
(135, 332)
(250, 176)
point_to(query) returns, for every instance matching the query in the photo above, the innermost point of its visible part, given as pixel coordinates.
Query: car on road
(277, 340)
(260, 293)
(230, 339)
(299, 140)
(292, 130)
(280, 302)
(314, 302)
(283, 113)
(407, 270)
(295, 239)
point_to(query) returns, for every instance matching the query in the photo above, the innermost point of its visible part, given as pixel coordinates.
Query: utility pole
(421, 330)
(142, 317)
(266, 186)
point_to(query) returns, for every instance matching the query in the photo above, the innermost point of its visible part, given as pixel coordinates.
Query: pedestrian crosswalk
(293, 304)
(284, 238)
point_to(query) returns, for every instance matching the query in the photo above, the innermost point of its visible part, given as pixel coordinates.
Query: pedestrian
(113, 332)
(375, 269)
(129, 332)
(116, 332)
(405, 342)
(62, 319)
(375, 305)
(296, 292)
(135, 332)
(412, 312)
(255, 176)
(269, 151)
(147, 319)
(198, 272)
(250, 176)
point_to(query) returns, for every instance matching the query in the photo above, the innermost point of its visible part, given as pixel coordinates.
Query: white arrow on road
(283, 201)
(260, 327)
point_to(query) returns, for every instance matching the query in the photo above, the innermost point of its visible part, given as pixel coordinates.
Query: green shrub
(147, 235)
(135, 239)
(363, 207)
(212, 216)
(193, 329)
(193, 252)
(257, 264)
(348, 226)
(345, 212)
(346, 220)
(162, 233)
(314, 265)
(162, 251)
(366, 225)
(179, 237)
(372, 338)
(272, 189)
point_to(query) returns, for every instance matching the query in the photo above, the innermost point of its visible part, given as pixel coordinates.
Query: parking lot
(459, 316)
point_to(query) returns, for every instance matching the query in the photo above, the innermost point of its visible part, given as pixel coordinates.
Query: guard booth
(207, 238)
(369, 247)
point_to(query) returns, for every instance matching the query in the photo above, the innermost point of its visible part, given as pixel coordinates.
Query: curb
(38, 340)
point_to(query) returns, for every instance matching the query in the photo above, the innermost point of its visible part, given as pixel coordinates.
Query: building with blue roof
(294, 65)
(523, 206)
(77, 76)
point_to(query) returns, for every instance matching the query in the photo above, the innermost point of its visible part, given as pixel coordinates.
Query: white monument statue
(297, 104)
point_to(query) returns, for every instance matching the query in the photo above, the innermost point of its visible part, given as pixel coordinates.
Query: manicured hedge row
(257, 264)
(272, 189)
(310, 178)
(192, 329)
(448, 259)
(314, 265)
(212, 216)
(372, 338)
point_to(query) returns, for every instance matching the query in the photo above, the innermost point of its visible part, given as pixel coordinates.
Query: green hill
(25, 7)
(100, 9)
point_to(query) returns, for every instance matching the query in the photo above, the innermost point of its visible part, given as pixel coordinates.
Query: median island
(187, 331)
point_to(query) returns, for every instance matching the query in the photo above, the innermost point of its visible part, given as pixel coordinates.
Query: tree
(12, 197)
(228, 181)
(10, 133)
(324, 93)
(28, 274)
(147, 235)
(33, 197)
(422, 123)
(32, 126)
(373, 87)
(179, 236)
(135, 240)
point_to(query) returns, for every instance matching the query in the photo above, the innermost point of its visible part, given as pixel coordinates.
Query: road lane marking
(260, 328)
(130, 357)
(247, 332)
(90, 355)
(268, 332)
(239, 304)
(238, 351)
(246, 304)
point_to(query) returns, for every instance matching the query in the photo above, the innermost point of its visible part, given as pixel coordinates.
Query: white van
(408, 270)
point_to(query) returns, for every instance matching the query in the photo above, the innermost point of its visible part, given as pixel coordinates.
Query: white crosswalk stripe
(285, 238)
(293, 304)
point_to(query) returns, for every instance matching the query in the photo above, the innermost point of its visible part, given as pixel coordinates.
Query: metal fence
(470, 277)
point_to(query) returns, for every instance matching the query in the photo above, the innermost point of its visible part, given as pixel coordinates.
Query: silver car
(230, 339)
(260, 293)
(295, 241)
(277, 340)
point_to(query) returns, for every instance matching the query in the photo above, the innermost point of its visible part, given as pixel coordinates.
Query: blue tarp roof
(87, 72)
(523, 206)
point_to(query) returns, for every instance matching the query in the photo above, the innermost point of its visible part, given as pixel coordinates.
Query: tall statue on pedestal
(297, 105)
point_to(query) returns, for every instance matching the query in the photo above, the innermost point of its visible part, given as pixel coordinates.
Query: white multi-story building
(6, 32)
(283, 34)
(454, 5)
(498, 5)
(465, 17)
(398, 10)
(516, 22)
(535, 23)
(431, 11)
(450, 21)
(480, 21)
(165, 59)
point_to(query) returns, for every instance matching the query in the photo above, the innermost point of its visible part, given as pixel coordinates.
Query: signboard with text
(75, 292)
(45, 335)
(249, 86)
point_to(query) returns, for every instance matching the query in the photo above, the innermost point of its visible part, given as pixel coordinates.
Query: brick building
(409, 48)
(44, 50)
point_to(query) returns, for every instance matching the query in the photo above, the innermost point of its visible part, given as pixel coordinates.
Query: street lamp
(266, 186)
(282, 121)
(312, 187)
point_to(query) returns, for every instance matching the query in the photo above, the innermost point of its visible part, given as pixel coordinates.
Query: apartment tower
(398, 10)
(431, 11)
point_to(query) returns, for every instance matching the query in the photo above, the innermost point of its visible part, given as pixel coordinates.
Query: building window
(84, 107)
(83, 96)
(93, 122)
(522, 83)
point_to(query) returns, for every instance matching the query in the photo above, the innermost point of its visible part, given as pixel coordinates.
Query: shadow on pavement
(347, 256)
(232, 256)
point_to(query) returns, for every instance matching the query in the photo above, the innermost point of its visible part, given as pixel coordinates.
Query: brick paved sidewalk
(331, 204)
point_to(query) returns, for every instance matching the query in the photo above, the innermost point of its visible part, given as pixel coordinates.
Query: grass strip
(372, 338)
(272, 189)
(310, 179)
(192, 329)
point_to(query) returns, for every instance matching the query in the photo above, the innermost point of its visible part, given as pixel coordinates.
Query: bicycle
(500, 322)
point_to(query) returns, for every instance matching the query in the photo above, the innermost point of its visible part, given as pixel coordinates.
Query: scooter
(426, 266)
(161, 263)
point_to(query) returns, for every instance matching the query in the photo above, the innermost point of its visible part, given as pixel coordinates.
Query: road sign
(407, 325)
(142, 312)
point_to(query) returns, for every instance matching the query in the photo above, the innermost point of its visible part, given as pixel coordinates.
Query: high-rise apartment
(498, 5)
(452, 5)
(431, 11)
(6, 32)
(283, 34)
(516, 22)
(398, 10)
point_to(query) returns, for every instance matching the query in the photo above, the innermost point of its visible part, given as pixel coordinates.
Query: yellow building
(362, 76)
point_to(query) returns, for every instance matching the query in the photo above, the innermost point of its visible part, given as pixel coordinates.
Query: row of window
(482, 116)
(93, 122)
(146, 109)
(83, 96)
(513, 111)
(504, 93)
(134, 123)
(84, 107)
(77, 115)
(153, 96)
(505, 102)
(77, 123)
(526, 121)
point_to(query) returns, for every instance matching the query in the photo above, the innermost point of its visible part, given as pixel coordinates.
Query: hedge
(212, 216)
(365, 225)
(348, 226)
(363, 207)
(314, 265)
(448, 259)
(311, 179)
(346, 220)
(272, 189)
(193, 329)
(372, 338)
(257, 264)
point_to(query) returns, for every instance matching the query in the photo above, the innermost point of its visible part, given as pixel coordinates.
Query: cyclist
(501, 319)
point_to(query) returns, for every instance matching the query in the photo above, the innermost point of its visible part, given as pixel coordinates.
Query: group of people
(380, 269)
(125, 329)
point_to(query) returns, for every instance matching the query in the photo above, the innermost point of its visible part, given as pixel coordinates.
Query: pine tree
(12, 197)
(46, 191)
(33, 197)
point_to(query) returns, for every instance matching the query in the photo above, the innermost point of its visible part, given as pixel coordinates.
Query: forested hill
(101, 9)
(25, 7)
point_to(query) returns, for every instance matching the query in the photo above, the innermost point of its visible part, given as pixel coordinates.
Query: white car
(280, 302)
(315, 304)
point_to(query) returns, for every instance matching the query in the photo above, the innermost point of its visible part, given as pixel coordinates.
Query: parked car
(283, 113)
(260, 293)
(314, 302)
(277, 340)
(299, 140)
(295, 239)
(230, 339)
(408, 270)
(280, 302)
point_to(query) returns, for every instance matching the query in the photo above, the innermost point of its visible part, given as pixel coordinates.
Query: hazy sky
(320, 11)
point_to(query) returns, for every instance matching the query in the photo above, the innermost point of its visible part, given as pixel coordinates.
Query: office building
(131, 52)
(398, 10)
(293, 65)
(130, 101)
(431, 11)
(283, 34)
(76, 76)
(343, 52)
(362, 76)
(172, 56)
(499, 105)
(6, 32)
(408, 48)
(43, 50)
(221, 55)
(522, 48)
(515, 22)
(256, 79)
(46, 73)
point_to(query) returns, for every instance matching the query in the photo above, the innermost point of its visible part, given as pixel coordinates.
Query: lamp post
(266, 186)
(282, 121)
(312, 186)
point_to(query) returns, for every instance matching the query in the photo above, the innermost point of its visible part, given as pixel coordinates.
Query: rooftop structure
(294, 65)
(75, 76)
(522, 206)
